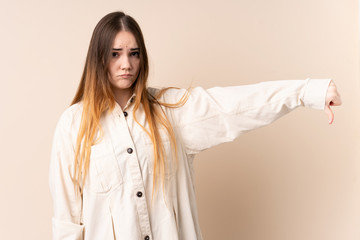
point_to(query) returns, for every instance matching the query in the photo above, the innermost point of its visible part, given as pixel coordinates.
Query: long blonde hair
(97, 97)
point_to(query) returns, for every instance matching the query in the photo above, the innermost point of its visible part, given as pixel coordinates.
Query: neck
(122, 96)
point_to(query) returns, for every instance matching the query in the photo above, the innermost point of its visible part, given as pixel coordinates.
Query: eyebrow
(120, 49)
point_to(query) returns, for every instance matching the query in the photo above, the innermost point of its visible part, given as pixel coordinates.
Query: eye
(114, 54)
(135, 54)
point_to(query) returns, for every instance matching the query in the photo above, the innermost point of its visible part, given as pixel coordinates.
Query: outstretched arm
(217, 115)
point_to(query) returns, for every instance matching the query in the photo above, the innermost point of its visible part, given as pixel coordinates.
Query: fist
(332, 99)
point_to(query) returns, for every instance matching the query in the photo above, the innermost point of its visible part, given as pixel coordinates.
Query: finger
(330, 114)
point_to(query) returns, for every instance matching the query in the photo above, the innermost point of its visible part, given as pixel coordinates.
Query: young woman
(121, 163)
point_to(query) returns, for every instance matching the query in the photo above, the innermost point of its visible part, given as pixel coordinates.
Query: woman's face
(125, 61)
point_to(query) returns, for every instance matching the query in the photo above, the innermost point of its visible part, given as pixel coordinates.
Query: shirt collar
(127, 106)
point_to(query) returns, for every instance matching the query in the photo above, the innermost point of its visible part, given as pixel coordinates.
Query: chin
(123, 85)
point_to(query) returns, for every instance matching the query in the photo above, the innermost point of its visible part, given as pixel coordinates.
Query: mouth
(125, 76)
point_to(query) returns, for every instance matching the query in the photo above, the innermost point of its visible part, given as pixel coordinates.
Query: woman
(121, 164)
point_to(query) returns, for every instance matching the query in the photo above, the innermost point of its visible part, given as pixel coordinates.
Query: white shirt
(116, 202)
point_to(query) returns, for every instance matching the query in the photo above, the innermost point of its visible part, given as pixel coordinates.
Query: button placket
(136, 175)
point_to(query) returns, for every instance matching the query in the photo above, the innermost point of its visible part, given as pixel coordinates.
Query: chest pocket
(170, 161)
(104, 173)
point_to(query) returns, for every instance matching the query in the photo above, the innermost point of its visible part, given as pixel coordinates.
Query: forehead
(125, 39)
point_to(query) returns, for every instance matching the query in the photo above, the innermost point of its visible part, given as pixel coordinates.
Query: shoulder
(70, 117)
(167, 94)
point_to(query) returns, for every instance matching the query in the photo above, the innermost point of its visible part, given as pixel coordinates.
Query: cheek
(110, 79)
(137, 65)
(111, 69)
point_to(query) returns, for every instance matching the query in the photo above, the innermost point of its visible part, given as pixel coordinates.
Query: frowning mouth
(126, 75)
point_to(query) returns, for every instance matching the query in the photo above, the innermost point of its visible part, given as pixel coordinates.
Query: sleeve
(66, 222)
(217, 115)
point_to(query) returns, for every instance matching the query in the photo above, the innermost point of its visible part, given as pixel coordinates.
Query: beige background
(297, 179)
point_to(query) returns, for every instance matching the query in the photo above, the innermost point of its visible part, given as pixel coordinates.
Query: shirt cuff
(315, 93)
(67, 230)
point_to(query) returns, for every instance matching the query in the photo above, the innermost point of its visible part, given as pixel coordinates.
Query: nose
(125, 63)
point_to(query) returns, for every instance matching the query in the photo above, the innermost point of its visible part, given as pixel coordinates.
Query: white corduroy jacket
(116, 201)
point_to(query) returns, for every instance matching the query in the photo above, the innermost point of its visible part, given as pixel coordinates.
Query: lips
(126, 76)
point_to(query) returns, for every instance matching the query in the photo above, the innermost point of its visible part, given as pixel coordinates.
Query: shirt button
(139, 194)
(130, 150)
(125, 114)
(147, 238)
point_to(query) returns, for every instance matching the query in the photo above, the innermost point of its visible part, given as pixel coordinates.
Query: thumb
(330, 114)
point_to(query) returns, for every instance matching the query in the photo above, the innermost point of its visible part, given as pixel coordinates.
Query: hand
(332, 99)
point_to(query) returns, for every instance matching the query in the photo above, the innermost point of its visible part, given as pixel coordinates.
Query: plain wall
(297, 178)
